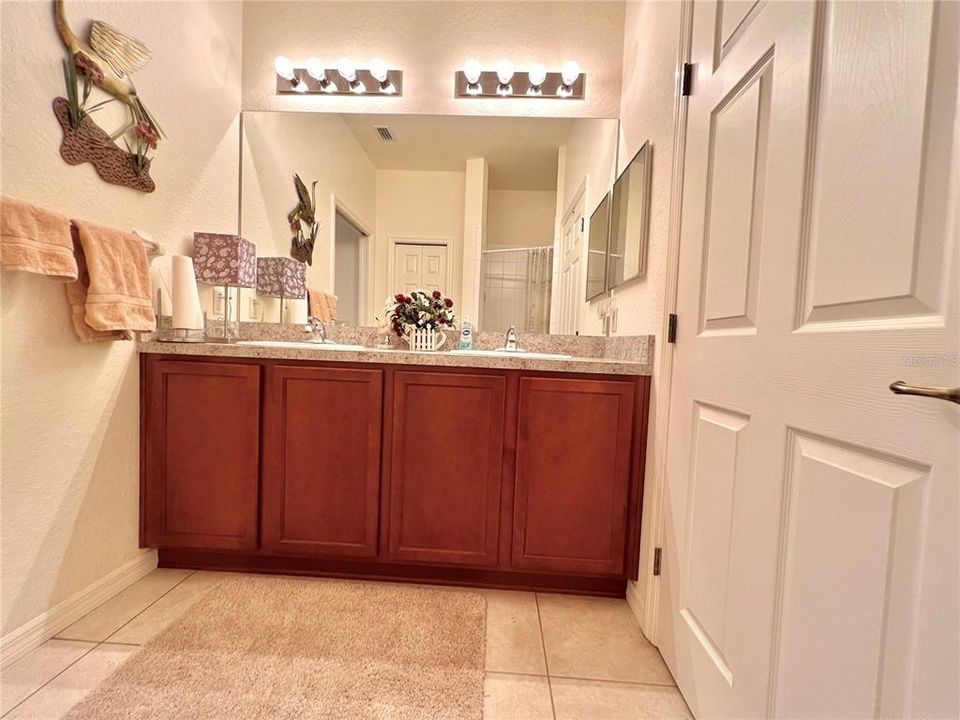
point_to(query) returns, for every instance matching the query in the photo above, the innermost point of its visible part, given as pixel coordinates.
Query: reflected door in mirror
(420, 266)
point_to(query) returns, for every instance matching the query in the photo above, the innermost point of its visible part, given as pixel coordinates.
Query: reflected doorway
(349, 277)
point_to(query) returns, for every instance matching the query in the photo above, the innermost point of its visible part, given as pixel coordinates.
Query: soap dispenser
(466, 335)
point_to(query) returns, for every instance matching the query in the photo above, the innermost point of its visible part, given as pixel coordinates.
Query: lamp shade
(281, 277)
(221, 259)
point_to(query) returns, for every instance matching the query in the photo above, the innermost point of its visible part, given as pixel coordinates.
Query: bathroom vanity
(497, 472)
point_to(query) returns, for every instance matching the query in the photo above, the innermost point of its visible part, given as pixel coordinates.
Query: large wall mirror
(597, 249)
(629, 226)
(476, 207)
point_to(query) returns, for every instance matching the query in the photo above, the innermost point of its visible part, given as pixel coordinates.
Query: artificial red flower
(399, 298)
(448, 302)
(86, 66)
(146, 133)
(436, 295)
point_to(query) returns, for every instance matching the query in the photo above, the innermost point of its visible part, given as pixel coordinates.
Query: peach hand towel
(114, 287)
(36, 240)
(322, 305)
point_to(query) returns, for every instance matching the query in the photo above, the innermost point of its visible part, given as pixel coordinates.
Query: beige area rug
(265, 647)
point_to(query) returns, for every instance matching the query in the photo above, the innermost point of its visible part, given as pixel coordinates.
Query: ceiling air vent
(385, 134)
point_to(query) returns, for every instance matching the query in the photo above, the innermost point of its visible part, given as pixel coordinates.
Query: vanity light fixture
(535, 76)
(472, 72)
(316, 70)
(285, 70)
(344, 79)
(504, 76)
(381, 73)
(472, 82)
(348, 71)
(570, 74)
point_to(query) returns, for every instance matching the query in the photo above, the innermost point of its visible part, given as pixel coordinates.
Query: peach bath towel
(111, 298)
(322, 305)
(35, 240)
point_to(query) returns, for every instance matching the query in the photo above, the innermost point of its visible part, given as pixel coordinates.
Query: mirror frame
(606, 205)
(646, 152)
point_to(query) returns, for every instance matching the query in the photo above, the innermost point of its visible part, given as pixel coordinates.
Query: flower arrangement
(420, 309)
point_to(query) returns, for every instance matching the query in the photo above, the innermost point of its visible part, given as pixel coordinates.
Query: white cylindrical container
(187, 314)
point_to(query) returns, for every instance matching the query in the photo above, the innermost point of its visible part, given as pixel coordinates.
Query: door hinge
(686, 83)
(581, 225)
(657, 553)
(672, 328)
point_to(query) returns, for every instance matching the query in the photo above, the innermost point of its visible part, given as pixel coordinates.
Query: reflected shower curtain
(516, 289)
(539, 280)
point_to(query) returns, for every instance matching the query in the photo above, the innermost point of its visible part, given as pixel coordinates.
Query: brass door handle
(951, 394)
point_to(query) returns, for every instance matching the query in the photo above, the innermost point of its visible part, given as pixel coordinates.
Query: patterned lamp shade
(281, 277)
(226, 260)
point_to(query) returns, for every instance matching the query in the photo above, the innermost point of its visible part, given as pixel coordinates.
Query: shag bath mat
(263, 647)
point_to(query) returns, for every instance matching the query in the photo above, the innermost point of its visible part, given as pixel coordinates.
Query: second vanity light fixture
(475, 82)
(345, 79)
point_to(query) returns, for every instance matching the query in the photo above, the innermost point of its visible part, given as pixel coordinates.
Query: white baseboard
(635, 602)
(25, 638)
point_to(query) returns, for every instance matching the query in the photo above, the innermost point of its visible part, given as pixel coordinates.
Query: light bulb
(316, 70)
(284, 67)
(537, 74)
(472, 70)
(570, 72)
(347, 69)
(505, 72)
(379, 70)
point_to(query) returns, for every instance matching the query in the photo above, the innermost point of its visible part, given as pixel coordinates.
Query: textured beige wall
(648, 105)
(417, 204)
(520, 218)
(430, 41)
(70, 422)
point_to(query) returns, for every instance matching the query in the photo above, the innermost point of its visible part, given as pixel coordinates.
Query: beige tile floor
(549, 656)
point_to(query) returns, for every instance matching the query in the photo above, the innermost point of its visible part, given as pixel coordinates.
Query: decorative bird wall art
(106, 63)
(305, 213)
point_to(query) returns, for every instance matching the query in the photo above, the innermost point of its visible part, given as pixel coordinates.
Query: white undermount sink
(300, 345)
(519, 354)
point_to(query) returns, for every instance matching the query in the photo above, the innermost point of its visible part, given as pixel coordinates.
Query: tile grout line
(89, 650)
(145, 608)
(97, 643)
(546, 662)
(579, 679)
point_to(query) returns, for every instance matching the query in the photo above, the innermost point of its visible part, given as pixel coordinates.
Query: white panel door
(434, 268)
(420, 266)
(570, 282)
(812, 533)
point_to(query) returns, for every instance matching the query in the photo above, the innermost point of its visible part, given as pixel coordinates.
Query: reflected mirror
(629, 220)
(597, 250)
(467, 205)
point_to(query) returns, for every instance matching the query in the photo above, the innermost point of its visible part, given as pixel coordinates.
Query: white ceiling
(521, 152)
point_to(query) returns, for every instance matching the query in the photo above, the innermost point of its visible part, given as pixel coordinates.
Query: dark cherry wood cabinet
(321, 470)
(446, 464)
(573, 475)
(200, 454)
(468, 476)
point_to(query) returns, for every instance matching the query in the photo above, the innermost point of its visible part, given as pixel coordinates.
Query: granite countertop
(600, 366)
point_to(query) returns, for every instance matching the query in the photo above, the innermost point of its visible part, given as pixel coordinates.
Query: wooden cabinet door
(321, 481)
(201, 454)
(446, 467)
(573, 475)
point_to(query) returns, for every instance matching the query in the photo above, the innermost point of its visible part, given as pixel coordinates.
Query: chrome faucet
(510, 342)
(316, 327)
